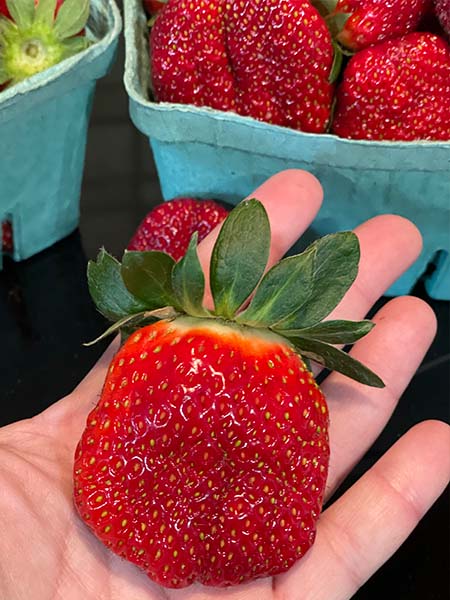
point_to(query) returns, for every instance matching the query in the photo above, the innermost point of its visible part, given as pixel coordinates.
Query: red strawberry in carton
(275, 65)
(373, 21)
(207, 454)
(398, 90)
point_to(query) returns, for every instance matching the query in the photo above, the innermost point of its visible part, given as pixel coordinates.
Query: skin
(48, 553)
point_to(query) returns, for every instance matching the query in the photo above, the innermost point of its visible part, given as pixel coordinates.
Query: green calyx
(335, 20)
(291, 299)
(34, 39)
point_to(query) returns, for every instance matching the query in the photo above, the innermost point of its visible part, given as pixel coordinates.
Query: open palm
(47, 552)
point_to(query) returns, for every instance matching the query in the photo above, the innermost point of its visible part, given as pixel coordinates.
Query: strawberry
(373, 21)
(7, 237)
(442, 9)
(274, 65)
(36, 37)
(398, 90)
(206, 456)
(169, 226)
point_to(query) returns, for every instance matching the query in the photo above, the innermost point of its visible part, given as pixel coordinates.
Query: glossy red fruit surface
(169, 226)
(271, 64)
(398, 90)
(206, 456)
(375, 21)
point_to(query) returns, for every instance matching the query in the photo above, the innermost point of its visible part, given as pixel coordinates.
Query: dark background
(46, 314)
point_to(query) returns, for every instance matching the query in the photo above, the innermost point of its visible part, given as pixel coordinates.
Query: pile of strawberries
(37, 34)
(362, 69)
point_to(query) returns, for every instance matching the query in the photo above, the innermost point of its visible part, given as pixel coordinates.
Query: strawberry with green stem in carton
(206, 457)
(35, 36)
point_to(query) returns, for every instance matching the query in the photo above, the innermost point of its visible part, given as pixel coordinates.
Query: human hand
(46, 551)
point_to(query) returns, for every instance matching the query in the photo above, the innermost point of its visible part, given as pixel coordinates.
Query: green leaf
(75, 45)
(4, 76)
(334, 359)
(324, 7)
(45, 12)
(108, 290)
(71, 18)
(299, 291)
(22, 12)
(280, 290)
(336, 66)
(333, 332)
(336, 22)
(188, 281)
(128, 324)
(148, 276)
(115, 327)
(6, 26)
(239, 256)
(335, 261)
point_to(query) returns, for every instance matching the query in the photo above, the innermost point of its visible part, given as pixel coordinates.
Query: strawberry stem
(34, 40)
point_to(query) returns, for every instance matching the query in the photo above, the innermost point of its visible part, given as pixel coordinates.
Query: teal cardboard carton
(43, 128)
(207, 153)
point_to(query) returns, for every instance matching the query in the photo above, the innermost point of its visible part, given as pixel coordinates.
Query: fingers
(389, 245)
(358, 533)
(292, 199)
(405, 328)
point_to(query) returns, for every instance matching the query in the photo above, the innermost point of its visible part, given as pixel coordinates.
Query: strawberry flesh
(169, 226)
(206, 456)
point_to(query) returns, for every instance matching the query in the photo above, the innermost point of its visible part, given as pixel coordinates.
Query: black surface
(46, 315)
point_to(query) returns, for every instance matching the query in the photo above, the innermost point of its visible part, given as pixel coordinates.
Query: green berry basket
(43, 129)
(207, 153)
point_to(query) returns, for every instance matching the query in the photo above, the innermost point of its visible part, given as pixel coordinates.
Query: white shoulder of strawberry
(291, 299)
(36, 36)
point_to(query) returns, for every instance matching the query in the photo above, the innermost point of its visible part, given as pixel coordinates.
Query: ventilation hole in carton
(438, 259)
(433, 265)
(7, 236)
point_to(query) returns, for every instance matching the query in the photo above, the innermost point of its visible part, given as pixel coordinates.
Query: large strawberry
(373, 21)
(36, 37)
(207, 454)
(169, 226)
(275, 65)
(398, 90)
